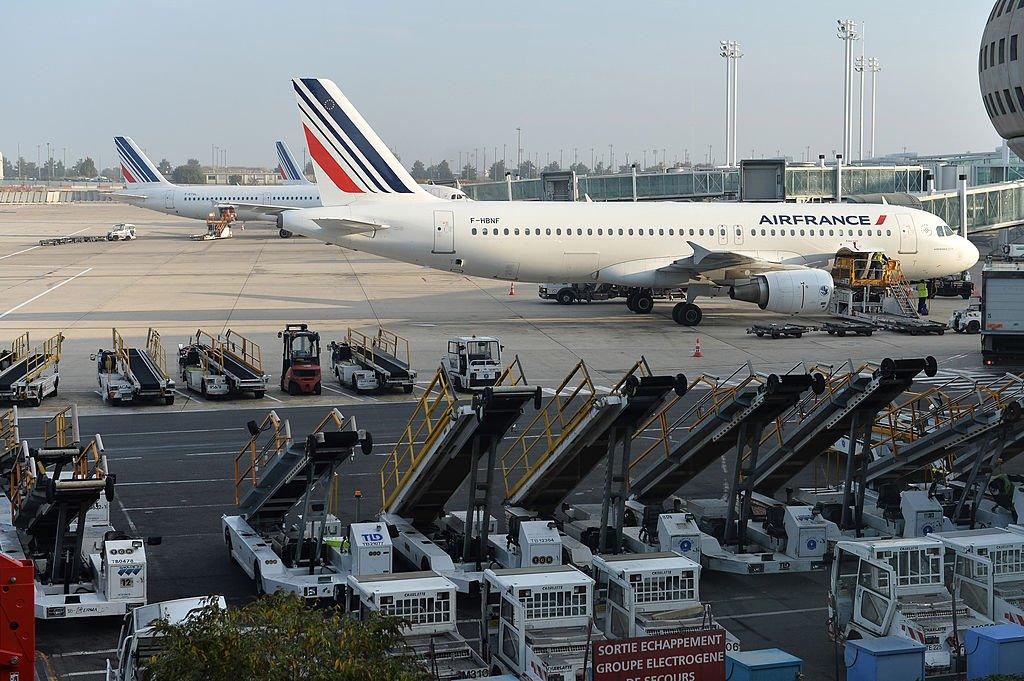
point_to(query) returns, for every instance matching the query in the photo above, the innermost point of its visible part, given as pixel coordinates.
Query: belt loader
(286, 536)
(27, 376)
(537, 622)
(896, 587)
(139, 643)
(226, 365)
(381, 361)
(55, 518)
(426, 604)
(126, 374)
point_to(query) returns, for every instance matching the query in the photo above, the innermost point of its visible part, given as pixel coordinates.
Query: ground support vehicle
(912, 327)
(951, 286)
(988, 571)
(127, 374)
(652, 594)
(54, 518)
(426, 601)
(472, 362)
(381, 361)
(286, 535)
(784, 330)
(567, 294)
(1002, 310)
(81, 239)
(966, 320)
(138, 642)
(536, 622)
(896, 587)
(218, 225)
(871, 290)
(300, 361)
(29, 375)
(844, 327)
(122, 231)
(226, 365)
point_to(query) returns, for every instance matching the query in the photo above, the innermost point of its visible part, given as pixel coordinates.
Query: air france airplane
(148, 188)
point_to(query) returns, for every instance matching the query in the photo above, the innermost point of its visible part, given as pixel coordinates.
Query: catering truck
(1002, 308)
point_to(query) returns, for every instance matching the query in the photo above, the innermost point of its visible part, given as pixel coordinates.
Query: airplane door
(169, 199)
(723, 236)
(908, 234)
(444, 231)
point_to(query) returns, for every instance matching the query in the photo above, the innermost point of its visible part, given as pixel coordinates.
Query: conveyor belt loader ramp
(386, 354)
(30, 375)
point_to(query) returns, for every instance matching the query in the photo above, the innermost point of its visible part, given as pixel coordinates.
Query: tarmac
(174, 464)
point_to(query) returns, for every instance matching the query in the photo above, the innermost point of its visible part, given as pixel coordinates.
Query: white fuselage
(630, 243)
(199, 200)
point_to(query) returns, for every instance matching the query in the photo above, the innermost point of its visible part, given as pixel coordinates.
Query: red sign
(686, 656)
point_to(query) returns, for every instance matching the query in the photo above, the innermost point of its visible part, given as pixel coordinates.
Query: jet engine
(788, 292)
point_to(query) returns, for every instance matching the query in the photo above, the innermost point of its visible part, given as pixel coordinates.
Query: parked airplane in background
(768, 254)
(148, 188)
(287, 167)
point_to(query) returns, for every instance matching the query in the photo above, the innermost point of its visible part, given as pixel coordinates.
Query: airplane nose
(971, 254)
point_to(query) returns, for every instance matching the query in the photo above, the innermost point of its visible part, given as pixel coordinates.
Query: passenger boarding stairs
(273, 473)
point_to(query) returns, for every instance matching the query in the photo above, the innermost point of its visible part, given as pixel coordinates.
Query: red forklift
(300, 363)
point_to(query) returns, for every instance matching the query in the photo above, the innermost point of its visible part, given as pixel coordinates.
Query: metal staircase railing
(155, 350)
(242, 349)
(10, 435)
(269, 438)
(60, 431)
(45, 357)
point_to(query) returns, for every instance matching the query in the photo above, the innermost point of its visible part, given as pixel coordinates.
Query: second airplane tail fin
(288, 168)
(349, 159)
(135, 165)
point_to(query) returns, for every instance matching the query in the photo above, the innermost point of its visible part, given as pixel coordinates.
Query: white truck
(988, 571)
(539, 622)
(139, 642)
(966, 320)
(650, 594)
(426, 602)
(1002, 309)
(122, 231)
(896, 587)
(472, 362)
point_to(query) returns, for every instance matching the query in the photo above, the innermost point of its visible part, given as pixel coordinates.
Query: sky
(442, 77)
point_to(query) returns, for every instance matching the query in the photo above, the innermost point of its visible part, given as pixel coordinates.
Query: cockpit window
(944, 230)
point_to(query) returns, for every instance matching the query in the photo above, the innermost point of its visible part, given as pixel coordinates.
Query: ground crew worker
(1001, 489)
(878, 264)
(922, 298)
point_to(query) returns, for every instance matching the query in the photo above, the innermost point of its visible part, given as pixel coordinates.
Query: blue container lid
(1004, 633)
(886, 645)
(769, 658)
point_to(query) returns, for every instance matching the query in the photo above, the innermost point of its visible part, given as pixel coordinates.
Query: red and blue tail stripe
(135, 166)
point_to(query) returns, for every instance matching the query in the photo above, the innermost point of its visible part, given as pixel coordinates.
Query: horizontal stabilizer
(346, 226)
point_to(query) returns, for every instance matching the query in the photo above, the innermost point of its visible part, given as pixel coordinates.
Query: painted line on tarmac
(176, 507)
(232, 451)
(95, 673)
(131, 523)
(162, 432)
(49, 290)
(173, 482)
(271, 397)
(773, 613)
(333, 390)
(11, 255)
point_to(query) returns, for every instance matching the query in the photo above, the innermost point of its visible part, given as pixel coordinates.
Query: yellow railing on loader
(213, 348)
(242, 349)
(19, 348)
(60, 431)
(10, 435)
(88, 464)
(155, 350)
(269, 438)
(384, 341)
(43, 358)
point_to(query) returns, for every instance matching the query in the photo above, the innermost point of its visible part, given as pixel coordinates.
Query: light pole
(860, 66)
(875, 67)
(49, 162)
(519, 148)
(847, 32)
(730, 51)
(611, 158)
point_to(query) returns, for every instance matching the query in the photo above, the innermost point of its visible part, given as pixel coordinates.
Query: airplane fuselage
(629, 243)
(198, 201)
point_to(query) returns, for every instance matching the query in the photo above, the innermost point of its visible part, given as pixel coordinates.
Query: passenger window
(548, 231)
(620, 231)
(764, 232)
(671, 232)
(590, 232)
(600, 232)
(516, 231)
(579, 232)
(558, 232)
(661, 232)
(801, 232)
(473, 231)
(691, 232)
(888, 232)
(526, 231)
(701, 232)
(773, 232)
(506, 231)
(860, 232)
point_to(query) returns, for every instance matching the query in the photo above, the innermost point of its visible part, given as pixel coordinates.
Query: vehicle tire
(775, 336)
(565, 297)
(687, 314)
(868, 333)
(631, 302)
(35, 401)
(831, 332)
(966, 296)
(644, 304)
(169, 400)
(293, 389)
(227, 543)
(284, 234)
(759, 334)
(974, 326)
(258, 394)
(841, 334)
(318, 389)
(407, 389)
(114, 401)
(457, 383)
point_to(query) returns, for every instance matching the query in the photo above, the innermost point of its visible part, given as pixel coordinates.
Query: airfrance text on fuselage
(820, 220)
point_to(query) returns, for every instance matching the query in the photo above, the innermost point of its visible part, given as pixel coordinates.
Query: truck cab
(473, 362)
(988, 571)
(538, 622)
(122, 231)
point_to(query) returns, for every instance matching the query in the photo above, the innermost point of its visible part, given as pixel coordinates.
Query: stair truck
(896, 587)
(139, 642)
(46, 520)
(127, 374)
(286, 535)
(650, 594)
(537, 622)
(988, 571)
(27, 376)
(472, 362)
(226, 365)
(218, 225)
(382, 361)
(426, 602)
(300, 363)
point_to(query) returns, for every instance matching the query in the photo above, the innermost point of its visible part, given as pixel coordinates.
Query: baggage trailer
(55, 517)
(286, 535)
(226, 365)
(139, 642)
(127, 374)
(381, 361)
(896, 587)
(300, 363)
(426, 602)
(29, 376)
(537, 622)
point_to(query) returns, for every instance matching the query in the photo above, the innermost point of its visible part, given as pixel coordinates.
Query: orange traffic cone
(512, 288)
(696, 349)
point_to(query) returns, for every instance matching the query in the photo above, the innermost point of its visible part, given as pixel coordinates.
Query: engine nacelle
(788, 291)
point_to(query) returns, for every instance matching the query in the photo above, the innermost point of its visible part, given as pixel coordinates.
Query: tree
(277, 638)
(165, 167)
(497, 171)
(468, 172)
(579, 169)
(527, 169)
(419, 171)
(85, 167)
(551, 167)
(9, 170)
(442, 171)
(190, 173)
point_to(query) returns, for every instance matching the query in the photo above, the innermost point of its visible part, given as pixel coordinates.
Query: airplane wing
(125, 195)
(705, 260)
(347, 226)
(262, 208)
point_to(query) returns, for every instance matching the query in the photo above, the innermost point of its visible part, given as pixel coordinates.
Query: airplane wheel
(631, 302)
(644, 304)
(284, 234)
(687, 314)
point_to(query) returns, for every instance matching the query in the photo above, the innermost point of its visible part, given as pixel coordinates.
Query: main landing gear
(641, 301)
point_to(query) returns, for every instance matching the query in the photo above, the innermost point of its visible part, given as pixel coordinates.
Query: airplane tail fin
(288, 168)
(349, 159)
(135, 165)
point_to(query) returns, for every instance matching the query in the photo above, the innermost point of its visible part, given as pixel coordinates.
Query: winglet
(135, 165)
